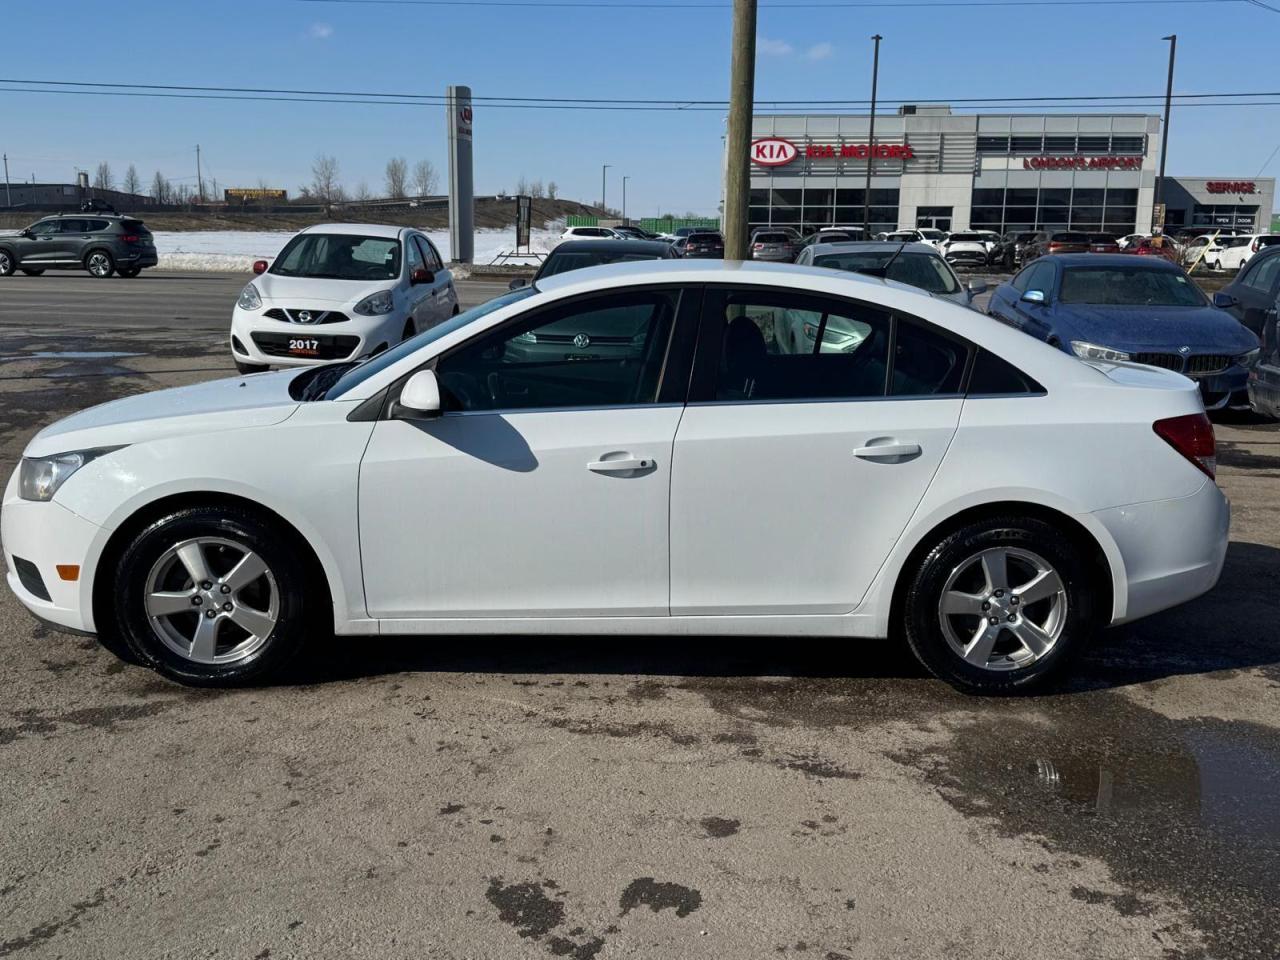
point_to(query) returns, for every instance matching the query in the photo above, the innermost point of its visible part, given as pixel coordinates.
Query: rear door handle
(888, 450)
(625, 465)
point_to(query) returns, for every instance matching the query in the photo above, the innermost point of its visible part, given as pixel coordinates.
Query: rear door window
(1263, 274)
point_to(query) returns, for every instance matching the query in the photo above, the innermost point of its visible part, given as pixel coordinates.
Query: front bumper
(1173, 550)
(46, 536)
(354, 337)
(1226, 389)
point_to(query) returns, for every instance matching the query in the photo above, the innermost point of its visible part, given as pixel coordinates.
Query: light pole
(1164, 134)
(871, 142)
(604, 180)
(624, 198)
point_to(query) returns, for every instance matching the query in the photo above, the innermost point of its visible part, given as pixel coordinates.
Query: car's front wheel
(100, 264)
(6, 263)
(999, 605)
(214, 596)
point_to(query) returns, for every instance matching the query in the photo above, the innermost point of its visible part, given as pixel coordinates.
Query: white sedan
(624, 450)
(340, 291)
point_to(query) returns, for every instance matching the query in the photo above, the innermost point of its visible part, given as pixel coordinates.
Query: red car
(1146, 247)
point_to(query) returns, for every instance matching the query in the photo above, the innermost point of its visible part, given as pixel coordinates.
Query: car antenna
(883, 270)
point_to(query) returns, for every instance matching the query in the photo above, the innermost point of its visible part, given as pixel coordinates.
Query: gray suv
(100, 243)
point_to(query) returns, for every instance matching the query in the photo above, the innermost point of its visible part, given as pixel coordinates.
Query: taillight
(1254, 247)
(1191, 436)
(1054, 246)
(130, 238)
(757, 246)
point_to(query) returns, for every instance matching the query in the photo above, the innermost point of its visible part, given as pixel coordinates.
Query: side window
(994, 376)
(429, 255)
(1040, 278)
(45, 228)
(606, 351)
(1024, 276)
(1262, 275)
(94, 226)
(414, 256)
(781, 346)
(925, 362)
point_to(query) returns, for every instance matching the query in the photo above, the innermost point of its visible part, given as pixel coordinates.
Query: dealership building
(932, 168)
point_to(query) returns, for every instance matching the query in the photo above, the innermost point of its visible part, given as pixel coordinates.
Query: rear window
(771, 238)
(1101, 238)
(134, 226)
(1270, 240)
(1069, 238)
(968, 237)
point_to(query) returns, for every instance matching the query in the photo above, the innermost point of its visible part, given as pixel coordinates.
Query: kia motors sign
(860, 151)
(1231, 186)
(773, 152)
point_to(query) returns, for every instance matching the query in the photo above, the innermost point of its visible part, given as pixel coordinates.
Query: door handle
(888, 450)
(625, 465)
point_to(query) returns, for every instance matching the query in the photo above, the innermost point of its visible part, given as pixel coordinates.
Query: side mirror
(259, 266)
(421, 275)
(1034, 296)
(420, 398)
(1223, 300)
(26, 232)
(517, 283)
(977, 287)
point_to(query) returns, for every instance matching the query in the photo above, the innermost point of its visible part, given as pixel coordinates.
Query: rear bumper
(1173, 550)
(138, 258)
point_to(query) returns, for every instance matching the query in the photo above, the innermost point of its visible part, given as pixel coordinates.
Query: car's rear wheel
(999, 605)
(6, 263)
(214, 596)
(32, 272)
(100, 264)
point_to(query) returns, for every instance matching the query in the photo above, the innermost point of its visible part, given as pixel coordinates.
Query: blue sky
(673, 159)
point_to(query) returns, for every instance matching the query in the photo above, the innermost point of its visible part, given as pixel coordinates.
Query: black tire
(31, 272)
(100, 264)
(290, 578)
(7, 262)
(128, 272)
(250, 367)
(923, 621)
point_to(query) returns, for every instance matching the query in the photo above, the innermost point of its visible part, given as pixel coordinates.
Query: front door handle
(622, 465)
(887, 450)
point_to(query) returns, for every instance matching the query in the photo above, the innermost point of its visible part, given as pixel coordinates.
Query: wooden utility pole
(742, 88)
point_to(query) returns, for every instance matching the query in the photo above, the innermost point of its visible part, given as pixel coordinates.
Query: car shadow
(1233, 627)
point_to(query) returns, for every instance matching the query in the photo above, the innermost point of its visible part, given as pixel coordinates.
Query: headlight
(1092, 351)
(40, 478)
(1250, 358)
(249, 298)
(375, 305)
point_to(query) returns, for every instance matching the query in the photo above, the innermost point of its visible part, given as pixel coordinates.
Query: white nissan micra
(627, 450)
(340, 291)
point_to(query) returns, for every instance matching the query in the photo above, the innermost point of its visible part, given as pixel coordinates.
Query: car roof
(1110, 260)
(657, 247)
(384, 230)
(874, 246)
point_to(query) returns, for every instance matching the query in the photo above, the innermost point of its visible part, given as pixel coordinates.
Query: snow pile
(235, 250)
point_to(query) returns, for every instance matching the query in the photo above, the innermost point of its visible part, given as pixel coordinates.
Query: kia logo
(773, 152)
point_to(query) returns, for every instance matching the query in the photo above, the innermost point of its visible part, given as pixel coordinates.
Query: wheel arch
(1105, 561)
(154, 509)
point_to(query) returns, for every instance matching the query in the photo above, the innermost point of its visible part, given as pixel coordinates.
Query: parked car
(1116, 308)
(101, 244)
(590, 233)
(1232, 253)
(773, 245)
(577, 254)
(1104, 243)
(705, 244)
(677, 245)
(1251, 295)
(630, 232)
(1154, 247)
(340, 291)
(689, 231)
(217, 531)
(828, 235)
(1048, 242)
(1264, 378)
(965, 249)
(1128, 239)
(916, 264)
(923, 235)
(989, 237)
(1008, 252)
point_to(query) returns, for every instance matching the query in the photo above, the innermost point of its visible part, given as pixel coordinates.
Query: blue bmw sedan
(1139, 309)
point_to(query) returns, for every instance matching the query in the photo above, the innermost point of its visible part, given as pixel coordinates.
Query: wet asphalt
(606, 797)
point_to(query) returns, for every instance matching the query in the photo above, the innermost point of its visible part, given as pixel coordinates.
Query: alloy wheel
(211, 600)
(99, 264)
(5, 263)
(1003, 608)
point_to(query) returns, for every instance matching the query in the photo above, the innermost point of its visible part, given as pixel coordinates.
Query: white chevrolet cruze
(340, 291)
(627, 450)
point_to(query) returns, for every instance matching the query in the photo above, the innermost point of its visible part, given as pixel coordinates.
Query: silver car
(916, 264)
(773, 245)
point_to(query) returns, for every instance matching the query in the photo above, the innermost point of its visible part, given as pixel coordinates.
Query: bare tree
(160, 188)
(324, 180)
(522, 187)
(397, 177)
(425, 179)
(132, 183)
(536, 190)
(103, 180)
(552, 190)
(363, 193)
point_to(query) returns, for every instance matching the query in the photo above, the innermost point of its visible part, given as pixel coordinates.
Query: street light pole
(871, 141)
(624, 198)
(1164, 134)
(604, 180)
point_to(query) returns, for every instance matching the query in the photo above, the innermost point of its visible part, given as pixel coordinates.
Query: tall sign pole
(871, 142)
(462, 206)
(8, 198)
(742, 92)
(1164, 134)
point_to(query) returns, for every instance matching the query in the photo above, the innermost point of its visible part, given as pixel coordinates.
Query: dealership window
(884, 198)
(988, 197)
(1087, 197)
(849, 198)
(1086, 218)
(1020, 197)
(1123, 145)
(1060, 144)
(1121, 198)
(993, 144)
(786, 206)
(1027, 144)
(1224, 215)
(992, 217)
(1095, 144)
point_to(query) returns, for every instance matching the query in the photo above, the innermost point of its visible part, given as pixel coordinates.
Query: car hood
(253, 401)
(1156, 329)
(300, 291)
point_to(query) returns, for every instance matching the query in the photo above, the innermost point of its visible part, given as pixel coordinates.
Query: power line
(800, 5)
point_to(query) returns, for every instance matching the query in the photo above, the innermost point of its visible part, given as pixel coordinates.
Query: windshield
(932, 234)
(337, 256)
(564, 262)
(1069, 238)
(902, 237)
(921, 270)
(1129, 286)
(362, 371)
